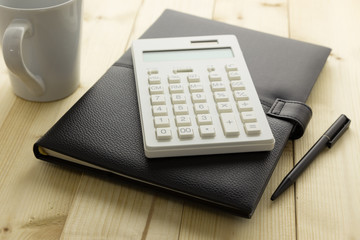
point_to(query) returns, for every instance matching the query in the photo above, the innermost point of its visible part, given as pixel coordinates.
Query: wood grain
(39, 200)
(327, 195)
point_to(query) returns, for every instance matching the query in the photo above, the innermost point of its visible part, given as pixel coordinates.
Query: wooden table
(39, 200)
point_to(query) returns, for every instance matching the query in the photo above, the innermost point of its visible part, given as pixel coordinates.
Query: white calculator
(196, 97)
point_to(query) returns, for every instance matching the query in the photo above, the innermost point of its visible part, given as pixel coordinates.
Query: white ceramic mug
(40, 44)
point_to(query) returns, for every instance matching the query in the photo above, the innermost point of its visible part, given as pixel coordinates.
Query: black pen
(328, 139)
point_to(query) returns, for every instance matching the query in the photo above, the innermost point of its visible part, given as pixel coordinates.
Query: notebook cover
(102, 130)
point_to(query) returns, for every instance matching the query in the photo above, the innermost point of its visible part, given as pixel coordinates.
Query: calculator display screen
(188, 54)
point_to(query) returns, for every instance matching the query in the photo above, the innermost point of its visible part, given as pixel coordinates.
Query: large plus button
(229, 124)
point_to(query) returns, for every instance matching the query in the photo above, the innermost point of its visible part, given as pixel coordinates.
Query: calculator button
(176, 88)
(201, 108)
(210, 68)
(163, 133)
(152, 71)
(193, 78)
(183, 69)
(154, 79)
(161, 122)
(223, 107)
(196, 87)
(199, 97)
(157, 99)
(207, 131)
(252, 128)
(217, 86)
(160, 110)
(181, 109)
(204, 119)
(174, 78)
(248, 117)
(178, 98)
(230, 67)
(237, 85)
(185, 132)
(221, 97)
(229, 125)
(183, 121)
(156, 89)
(244, 106)
(213, 76)
(234, 75)
(241, 95)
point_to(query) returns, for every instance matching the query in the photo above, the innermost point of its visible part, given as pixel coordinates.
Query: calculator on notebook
(196, 97)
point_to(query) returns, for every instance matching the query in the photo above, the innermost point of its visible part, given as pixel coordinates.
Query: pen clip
(340, 133)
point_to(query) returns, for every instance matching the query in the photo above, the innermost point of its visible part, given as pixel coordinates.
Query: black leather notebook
(102, 130)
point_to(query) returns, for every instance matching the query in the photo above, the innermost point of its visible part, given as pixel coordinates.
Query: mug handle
(13, 55)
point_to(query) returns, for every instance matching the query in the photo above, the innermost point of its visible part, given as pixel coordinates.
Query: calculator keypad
(179, 83)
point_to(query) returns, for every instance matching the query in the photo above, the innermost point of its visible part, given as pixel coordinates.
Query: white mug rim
(36, 8)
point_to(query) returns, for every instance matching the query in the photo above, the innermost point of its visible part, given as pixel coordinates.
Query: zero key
(163, 133)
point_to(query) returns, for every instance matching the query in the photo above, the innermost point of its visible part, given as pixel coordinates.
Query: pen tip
(285, 184)
(273, 197)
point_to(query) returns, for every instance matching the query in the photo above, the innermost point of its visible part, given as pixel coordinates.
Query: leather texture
(297, 112)
(103, 127)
